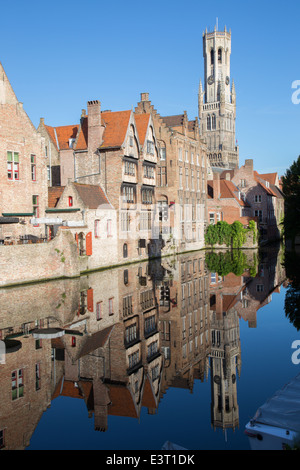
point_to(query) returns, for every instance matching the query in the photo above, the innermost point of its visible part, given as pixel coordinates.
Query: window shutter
(88, 241)
(90, 300)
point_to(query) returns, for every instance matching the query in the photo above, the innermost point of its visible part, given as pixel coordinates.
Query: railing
(23, 240)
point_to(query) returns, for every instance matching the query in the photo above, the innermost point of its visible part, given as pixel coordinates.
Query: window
(111, 306)
(125, 277)
(17, 384)
(148, 171)
(212, 57)
(131, 141)
(129, 168)
(12, 165)
(33, 167)
(147, 196)
(125, 250)
(214, 121)
(150, 147)
(2, 440)
(48, 172)
(259, 288)
(211, 218)
(186, 178)
(162, 176)
(70, 201)
(134, 359)
(127, 306)
(162, 153)
(243, 183)
(146, 300)
(125, 221)
(257, 198)
(180, 178)
(186, 156)
(180, 154)
(99, 311)
(37, 376)
(220, 56)
(97, 228)
(152, 349)
(259, 214)
(208, 123)
(131, 333)
(35, 208)
(150, 324)
(109, 227)
(128, 194)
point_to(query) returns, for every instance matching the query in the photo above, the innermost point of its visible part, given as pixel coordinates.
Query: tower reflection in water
(119, 339)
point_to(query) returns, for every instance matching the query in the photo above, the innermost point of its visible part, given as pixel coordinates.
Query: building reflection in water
(119, 339)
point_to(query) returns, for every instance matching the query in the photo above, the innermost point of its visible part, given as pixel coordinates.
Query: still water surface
(182, 350)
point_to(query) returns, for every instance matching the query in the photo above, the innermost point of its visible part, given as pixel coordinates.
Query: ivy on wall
(230, 262)
(233, 235)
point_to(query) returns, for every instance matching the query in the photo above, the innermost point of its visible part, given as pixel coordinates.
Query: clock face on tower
(210, 80)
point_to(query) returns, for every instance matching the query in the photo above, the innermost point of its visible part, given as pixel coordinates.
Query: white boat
(276, 424)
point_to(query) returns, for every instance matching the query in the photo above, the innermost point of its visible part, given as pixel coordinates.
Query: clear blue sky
(60, 54)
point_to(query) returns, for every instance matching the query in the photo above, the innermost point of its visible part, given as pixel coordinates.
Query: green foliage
(229, 262)
(230, 235)
(211, 235)
(291, 191)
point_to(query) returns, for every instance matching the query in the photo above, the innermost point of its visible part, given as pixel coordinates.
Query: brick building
(181, 178)
(225, 202)
(23, 176)
(263, 195)
(118, 153)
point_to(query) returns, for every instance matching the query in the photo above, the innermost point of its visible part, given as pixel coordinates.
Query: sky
(60, 54)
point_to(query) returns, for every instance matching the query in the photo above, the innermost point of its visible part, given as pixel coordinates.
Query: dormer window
(150, 147)
(70, 201)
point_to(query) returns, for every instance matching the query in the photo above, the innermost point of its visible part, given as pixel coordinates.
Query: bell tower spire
(217, 102)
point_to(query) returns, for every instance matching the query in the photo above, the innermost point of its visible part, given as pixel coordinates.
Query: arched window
(125, 250)
(212, 57)
(214, 121)
(220, 56)
(208, 123)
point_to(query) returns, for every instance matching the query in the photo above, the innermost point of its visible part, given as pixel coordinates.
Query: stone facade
(217, 101)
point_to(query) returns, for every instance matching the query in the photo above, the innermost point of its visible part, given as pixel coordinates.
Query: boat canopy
(283, 408)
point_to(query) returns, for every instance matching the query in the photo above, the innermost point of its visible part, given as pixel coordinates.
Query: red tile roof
(54, 194)
(92, 196)
(142, 122)
(227, 191)
(116, 125)
(82, 138)
(62, 134)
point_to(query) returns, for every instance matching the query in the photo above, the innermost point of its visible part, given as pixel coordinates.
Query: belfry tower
(217, 101)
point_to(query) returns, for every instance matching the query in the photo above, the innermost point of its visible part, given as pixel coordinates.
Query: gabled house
(225, 202)
(23, 177)
(181, 178)
(262, 194)
(85, 210)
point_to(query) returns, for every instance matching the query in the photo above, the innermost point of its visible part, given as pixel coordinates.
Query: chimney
(144, 96)
(216, 185)
(94, 125)
(249, 164)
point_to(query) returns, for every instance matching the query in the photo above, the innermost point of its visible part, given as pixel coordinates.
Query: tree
(291, 191)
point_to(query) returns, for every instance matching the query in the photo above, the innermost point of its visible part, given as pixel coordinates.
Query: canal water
(182, 349)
